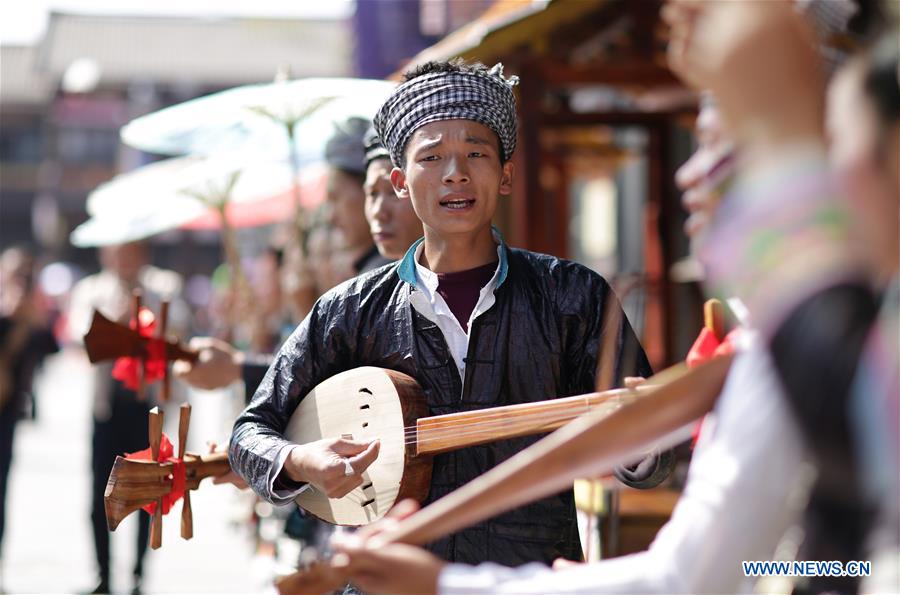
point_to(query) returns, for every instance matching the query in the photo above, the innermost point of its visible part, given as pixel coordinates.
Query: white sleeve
(737, 504)
(740, 497)
(283, 496)
(530, 579)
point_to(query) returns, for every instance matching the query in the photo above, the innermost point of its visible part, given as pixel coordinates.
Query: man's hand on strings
(396, 569)
(388, 523)
(634, 381)
(218, 364)
(334, 466)
(563, 563)
(376, 567)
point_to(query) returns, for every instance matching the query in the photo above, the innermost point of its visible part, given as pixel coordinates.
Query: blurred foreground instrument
(587, 447)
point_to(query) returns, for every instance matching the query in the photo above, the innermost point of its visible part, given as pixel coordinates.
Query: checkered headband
(486, 98)
(374, 147)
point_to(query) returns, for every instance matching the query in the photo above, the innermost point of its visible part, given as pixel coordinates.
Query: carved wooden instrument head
(133, 485)
(107, 340)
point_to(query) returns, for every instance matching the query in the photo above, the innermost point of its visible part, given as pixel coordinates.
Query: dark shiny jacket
(538, 341)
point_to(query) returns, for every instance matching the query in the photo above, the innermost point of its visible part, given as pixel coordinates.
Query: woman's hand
(759, 60)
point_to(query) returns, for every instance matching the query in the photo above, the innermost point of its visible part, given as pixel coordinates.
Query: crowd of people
(793, 195)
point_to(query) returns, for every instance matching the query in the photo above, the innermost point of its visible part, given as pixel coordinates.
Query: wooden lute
(363, 403)
(588, 447)
(367, 403)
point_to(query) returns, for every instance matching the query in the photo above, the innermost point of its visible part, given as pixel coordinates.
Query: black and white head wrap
(374, 147)
(484, 97)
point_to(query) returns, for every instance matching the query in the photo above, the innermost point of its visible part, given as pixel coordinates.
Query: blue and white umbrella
(280, 120)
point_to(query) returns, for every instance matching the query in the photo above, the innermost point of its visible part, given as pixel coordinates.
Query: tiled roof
(195, 51)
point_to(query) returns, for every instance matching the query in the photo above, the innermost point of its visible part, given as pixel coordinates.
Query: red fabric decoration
(126, 369)
(702, 349)
(706, 347)
(178, 475)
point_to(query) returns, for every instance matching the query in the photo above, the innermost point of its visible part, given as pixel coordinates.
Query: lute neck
(199, 467)
(443, 433)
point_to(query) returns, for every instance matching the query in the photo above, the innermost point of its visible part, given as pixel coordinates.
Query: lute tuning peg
(165, 389)
(187, 516)
(155, 429)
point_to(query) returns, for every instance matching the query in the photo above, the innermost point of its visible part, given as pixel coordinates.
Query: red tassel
(126, 369)
(166, 450)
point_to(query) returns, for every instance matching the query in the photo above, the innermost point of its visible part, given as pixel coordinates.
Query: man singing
(478, 324)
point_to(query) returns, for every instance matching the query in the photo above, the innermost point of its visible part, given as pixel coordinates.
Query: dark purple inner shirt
(460, 290)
